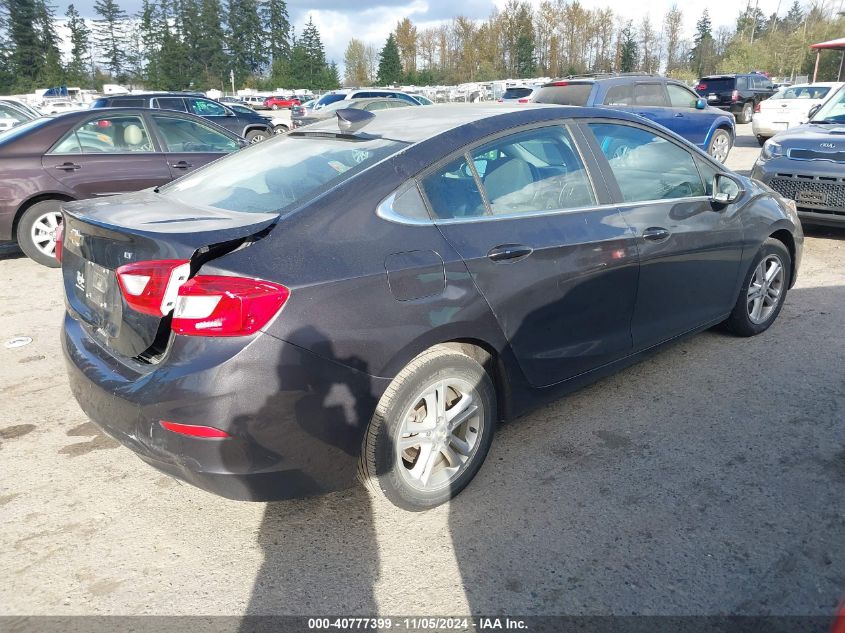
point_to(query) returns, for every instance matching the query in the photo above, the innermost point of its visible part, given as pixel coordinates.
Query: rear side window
(126, 102)
(181, 135)
(569, 94)
(528, 172)
(742, 83)
(619, 95)
(647, 166)
(170, 103)
(649, 95)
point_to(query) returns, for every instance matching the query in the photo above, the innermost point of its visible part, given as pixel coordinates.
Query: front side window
(649, 95)
(647, 166)
(680, 97)
(277, 175)
(182, 135)
(116, 134)
(533, 171)
(204, 107)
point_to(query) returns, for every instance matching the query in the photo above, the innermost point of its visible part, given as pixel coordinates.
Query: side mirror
(813, 110)
(726, 189)
(701, 104)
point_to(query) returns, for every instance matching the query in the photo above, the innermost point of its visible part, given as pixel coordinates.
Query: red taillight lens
(735, 95)
(60, 241)
(194, 430)
(757, 108)
(560, 83)
(522, 100)
(151, 287)
(701, 87)
(226, 306)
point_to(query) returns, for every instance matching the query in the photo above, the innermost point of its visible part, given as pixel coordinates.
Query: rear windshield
(279, 174)
(516, 93)
(802, 92)
(723, 84)
(570, 94)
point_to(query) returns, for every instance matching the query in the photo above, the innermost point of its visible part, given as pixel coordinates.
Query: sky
(372, 20)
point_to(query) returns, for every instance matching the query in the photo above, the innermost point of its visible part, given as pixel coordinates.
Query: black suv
(253, 127)
(738, 94)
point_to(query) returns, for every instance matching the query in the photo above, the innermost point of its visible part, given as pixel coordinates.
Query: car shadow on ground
(10, 250)
(678, 486)
(824, 232)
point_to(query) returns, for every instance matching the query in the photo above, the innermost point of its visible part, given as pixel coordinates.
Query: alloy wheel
(43, 232)
(720, 148)
(766, 289)
(439, 433)
(257, 138)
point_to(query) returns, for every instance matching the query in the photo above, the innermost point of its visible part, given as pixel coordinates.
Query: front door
(689, 247)
(558, 270)
(107, 154)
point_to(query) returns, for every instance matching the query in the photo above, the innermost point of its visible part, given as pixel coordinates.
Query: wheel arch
(786, 238)
(41, 197)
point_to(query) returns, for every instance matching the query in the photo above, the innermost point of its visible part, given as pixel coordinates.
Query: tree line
(196, 44)
(167, 45)
(563, 37)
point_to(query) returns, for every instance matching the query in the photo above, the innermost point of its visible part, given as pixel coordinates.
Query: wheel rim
(746, 113)
(43, 233)
(439, 434)
(257, 138)
(720, 148)
(766, 289)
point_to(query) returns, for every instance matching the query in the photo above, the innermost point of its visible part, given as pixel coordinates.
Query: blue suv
(665, 101)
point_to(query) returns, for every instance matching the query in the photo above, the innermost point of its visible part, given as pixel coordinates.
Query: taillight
(559, 83)
(226, 306)
(757, 107)
(701, 87)
(735, 95)
(193, 430)
(522, 100)
(60, 241)
(151, 287)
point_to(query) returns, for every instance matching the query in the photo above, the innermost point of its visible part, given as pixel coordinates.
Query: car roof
(439, 118)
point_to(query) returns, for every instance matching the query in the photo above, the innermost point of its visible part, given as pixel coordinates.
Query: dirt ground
(708, 479)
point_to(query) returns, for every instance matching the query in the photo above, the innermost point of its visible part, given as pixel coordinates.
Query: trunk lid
(102, 235)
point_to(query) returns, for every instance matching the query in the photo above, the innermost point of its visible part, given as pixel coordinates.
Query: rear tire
(275, 107)
(763, 290)
(36, 232)
(746, 114)
(431, 430)
(761, 140)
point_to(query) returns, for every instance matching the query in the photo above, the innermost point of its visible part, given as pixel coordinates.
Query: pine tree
(315, 56)
(277, 30)
(389, 65)
(210, 52)
(524, 62)
(110, 36)
(52, 73)
(701, 55)
(629, 51)
(79, 66)
(246, 48)
(794, 17)
(26, 59)
(151, 41)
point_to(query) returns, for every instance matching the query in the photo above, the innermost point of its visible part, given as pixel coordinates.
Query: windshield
(19, 130)
(278, 174)
(833, 111)
(802, 92)
(565, 94)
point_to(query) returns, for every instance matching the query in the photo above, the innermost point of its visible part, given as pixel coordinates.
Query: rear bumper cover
(296, 420)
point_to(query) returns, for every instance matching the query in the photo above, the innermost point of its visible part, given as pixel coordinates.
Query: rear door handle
(182, 164)
(509, 252)
(69, 166)
(679, 115)
(656, 234)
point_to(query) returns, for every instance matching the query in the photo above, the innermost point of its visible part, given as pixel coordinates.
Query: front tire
(431, 430)
(763, 290)
(36, 233)
(720, 145)
(256, 136)
(275, 107)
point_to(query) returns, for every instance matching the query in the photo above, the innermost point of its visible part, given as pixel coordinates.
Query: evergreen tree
(629, 51)
(315, 56)
(151, 41)
(79, 66)
(794, 17)
(701, 55)
(210, 53)
(245, 34)
(110, 36)
(524, 63)
(25, 60)
(390, 64)
(52, 73)
(274, 13)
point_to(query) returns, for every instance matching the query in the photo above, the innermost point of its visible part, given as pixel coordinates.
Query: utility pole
(232, 79)
(754, 21)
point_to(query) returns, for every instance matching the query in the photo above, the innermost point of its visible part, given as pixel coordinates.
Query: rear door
(689, 248)
(189, 144)
(556, 266)
(107, 154)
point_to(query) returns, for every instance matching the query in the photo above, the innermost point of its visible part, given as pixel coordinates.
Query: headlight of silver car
(771, 150)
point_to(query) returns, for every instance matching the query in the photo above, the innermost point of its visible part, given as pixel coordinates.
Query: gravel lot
(708, 479)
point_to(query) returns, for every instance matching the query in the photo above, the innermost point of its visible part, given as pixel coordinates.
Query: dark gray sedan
(374, 294)
(807, 164)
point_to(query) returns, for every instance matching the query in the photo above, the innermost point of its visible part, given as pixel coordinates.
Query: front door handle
(679, 115)
(509, 252)
(656, 234)
(182, 164)
(69, 166)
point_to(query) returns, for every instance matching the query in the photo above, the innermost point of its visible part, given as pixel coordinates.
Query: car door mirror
(229, 112)
(813, 110)
(701, 104)
(726, 189)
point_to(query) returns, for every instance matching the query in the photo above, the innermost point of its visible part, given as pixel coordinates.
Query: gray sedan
(807, 164)
(306, 117)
